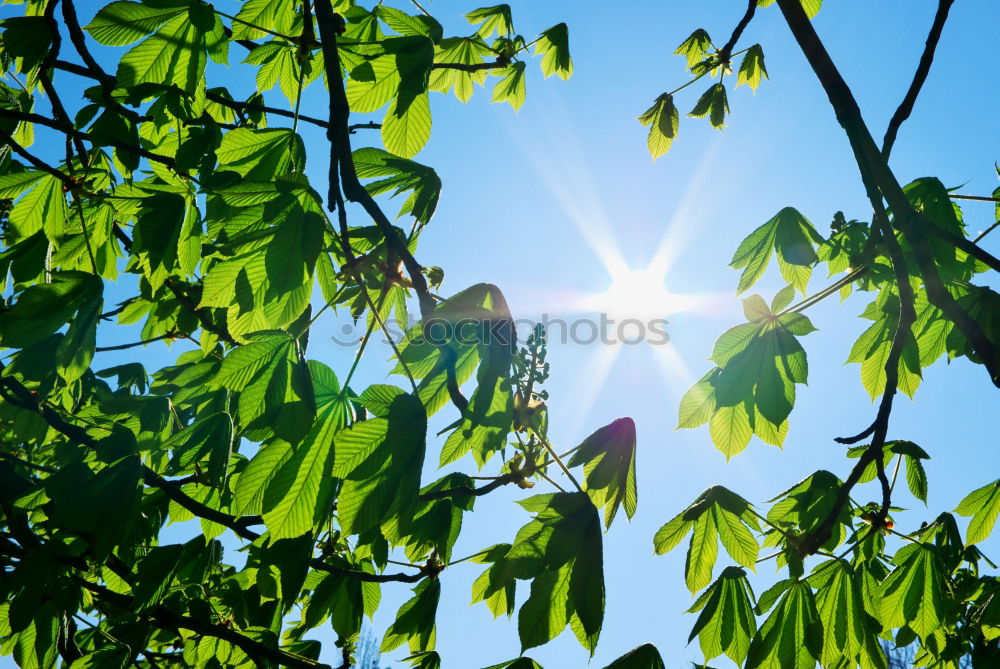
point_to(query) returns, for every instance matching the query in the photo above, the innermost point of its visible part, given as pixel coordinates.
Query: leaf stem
(682, 87)
(469, 557)
(895, 472)
(768, 557)
(254, 26)
(825, 292)
(980, 198)
(552, 453)
(357, 356)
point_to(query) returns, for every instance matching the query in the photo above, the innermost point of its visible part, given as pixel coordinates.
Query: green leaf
(245, 363)
(275, 15)
(806, 504)
(726, 623)
(544, 614)
(738, 541)
(175, 54)
(553, 46)
(28, 39)
(461, 51)
(381, 459)
(913, 594)
(248, 496)
(839, 604)
(154, 575)
(104, 505)
(644, 657)
(76, 349)
(714, 104)
(791, 236)
(372, 84)
(261, 155)
(983, 505)
(702, 552)
(492, 19)
(718, 513)
(401, 175)
(211, 436)
(662, 120)
(301, 479)
(812, 7)
(608, 456)
(275, 393)
(43, 308)
(698, 404)
(121, 23)
(414, 622)
(410, 25)
(792, 636)
(42, 208)
(872, 350)
(695, 47)
(730, 429)
(405, 131)
(511, 87)
(752, 68)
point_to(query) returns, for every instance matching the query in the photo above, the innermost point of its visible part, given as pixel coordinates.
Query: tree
(916, 258)
(203, 203)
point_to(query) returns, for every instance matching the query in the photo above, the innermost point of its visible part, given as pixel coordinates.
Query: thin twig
(919, 77)
(986, 232)
(70, 131)
(980, 198)
(726, 52)
(7, 139)
(466, 491)
(25, 463)
(122, 347)
(554, 456)
(472, 67)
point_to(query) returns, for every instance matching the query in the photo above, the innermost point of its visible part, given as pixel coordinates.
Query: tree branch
(25, 463)
(981, 198)
(919, 77)
(727, 50)
(880, 182)
(66, 179)
(122, 347)
(472, 67)
(342, 171)
(466, 491)
(23, 399)
(72, 132)
(202, 315)
(246, 106)
(967, 245)
(165, 617)
(58, 110)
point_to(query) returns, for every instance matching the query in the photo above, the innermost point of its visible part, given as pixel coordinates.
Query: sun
(635, 293)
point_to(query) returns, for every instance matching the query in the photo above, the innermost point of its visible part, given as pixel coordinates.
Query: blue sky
(524, 191)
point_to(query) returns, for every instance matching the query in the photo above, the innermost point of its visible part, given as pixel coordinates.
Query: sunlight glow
(634, 294)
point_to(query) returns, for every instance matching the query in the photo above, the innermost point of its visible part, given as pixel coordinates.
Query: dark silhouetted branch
(919, 77)
(726, 52)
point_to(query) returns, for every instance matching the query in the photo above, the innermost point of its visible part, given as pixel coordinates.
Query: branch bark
(342, 172)
(727, 50)
(919, 77)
